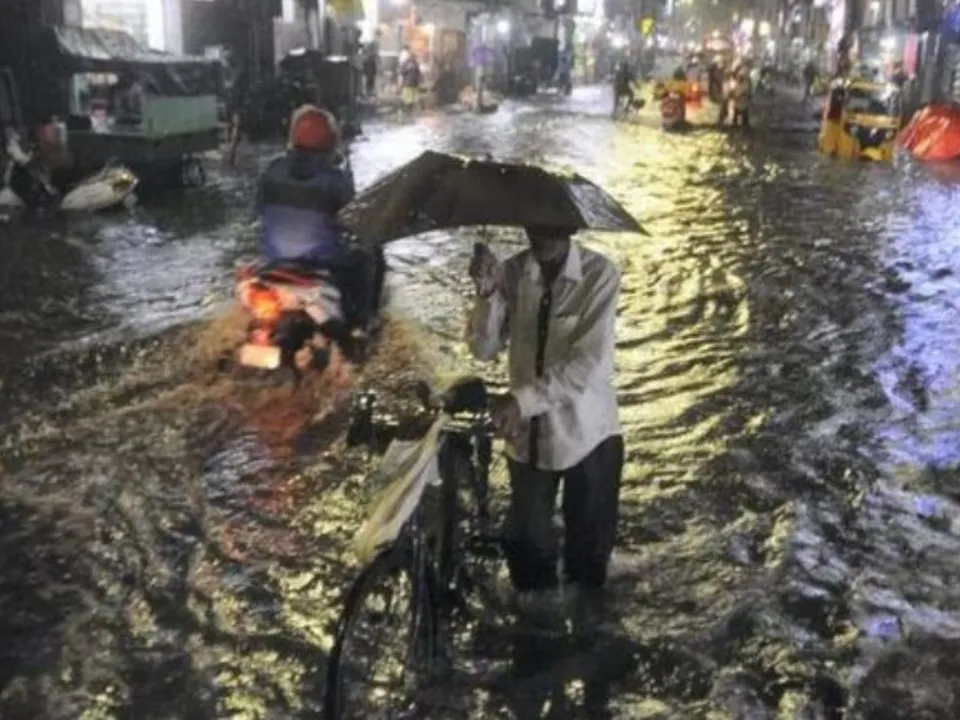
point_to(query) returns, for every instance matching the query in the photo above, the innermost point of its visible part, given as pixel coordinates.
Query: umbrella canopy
(437, 191)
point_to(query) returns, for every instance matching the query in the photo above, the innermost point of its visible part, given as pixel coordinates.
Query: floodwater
(789, 375)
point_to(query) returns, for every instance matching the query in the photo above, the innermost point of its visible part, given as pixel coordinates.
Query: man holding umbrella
(553, 307)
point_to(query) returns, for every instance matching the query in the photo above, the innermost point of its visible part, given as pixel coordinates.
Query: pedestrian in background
(410, 80)
(371, 66)
(809, 78)
(742, 98)
(239, 89)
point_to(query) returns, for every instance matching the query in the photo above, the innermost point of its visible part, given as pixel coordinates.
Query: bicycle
(429, 557)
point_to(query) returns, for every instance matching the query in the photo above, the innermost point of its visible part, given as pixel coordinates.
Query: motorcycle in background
(114, 185)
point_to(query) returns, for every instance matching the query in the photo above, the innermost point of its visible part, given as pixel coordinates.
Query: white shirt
(575, 396)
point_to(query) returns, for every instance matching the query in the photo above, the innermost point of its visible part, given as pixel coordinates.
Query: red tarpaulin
(933, 133)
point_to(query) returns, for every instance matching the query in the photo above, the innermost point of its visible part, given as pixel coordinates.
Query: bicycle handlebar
(466, 396)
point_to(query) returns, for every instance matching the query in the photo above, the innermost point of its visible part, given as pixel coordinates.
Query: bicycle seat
(466, 394)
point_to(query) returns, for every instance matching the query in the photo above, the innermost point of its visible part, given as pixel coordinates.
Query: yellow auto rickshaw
(860, 120)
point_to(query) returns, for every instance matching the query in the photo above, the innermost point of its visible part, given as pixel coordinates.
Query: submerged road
(789, 375)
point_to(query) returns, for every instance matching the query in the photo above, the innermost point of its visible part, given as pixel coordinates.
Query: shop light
(503, 27)
(888, 42)
(618, 41)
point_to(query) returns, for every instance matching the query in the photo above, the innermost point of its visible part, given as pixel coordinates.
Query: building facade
(127, 15)
(156, 23)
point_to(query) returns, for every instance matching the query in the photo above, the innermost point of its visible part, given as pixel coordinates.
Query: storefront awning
(113, 51)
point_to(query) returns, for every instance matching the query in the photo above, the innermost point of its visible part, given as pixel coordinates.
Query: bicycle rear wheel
(381, 642)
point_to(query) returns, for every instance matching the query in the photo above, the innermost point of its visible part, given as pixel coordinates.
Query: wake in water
(155, 523)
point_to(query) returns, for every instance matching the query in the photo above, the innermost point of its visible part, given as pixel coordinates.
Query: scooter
(114, 185)
(296, 317)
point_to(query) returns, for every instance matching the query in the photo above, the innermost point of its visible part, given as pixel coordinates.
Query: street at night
(787, 355)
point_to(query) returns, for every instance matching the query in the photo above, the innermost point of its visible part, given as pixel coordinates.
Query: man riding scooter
(300, 194)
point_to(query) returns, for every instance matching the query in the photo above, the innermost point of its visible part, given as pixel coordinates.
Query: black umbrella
(437, 191)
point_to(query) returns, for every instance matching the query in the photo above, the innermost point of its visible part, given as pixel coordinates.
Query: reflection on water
(786, 374)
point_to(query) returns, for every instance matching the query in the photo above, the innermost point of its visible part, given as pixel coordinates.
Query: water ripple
(787, 365)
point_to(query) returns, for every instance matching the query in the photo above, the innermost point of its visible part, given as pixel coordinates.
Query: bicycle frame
(474, 447)
(436, 567)
(432, 559)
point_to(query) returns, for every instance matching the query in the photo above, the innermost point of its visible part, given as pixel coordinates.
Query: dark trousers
(591, 494)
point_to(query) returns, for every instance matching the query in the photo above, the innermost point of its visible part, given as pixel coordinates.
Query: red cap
(313, 129)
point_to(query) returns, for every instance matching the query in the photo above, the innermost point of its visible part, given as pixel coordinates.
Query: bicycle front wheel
(384, 643)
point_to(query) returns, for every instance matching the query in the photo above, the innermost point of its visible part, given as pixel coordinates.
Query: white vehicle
(114, 185)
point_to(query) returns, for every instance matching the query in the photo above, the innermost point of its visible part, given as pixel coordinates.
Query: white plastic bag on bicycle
(413, 466)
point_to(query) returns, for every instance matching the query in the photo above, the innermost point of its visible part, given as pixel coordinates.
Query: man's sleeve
(595, 332)
(489, 324)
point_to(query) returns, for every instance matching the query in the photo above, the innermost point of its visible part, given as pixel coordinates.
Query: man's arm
(595, 332)
(343, 188)
(349, 189)
(258, 199)
(488, 326)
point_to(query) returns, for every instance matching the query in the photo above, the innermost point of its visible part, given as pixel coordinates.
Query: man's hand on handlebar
(505, 413)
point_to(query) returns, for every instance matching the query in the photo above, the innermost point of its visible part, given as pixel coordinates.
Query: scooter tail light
(264, 304)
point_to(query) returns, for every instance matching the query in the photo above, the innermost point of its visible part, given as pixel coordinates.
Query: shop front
(586, 36)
